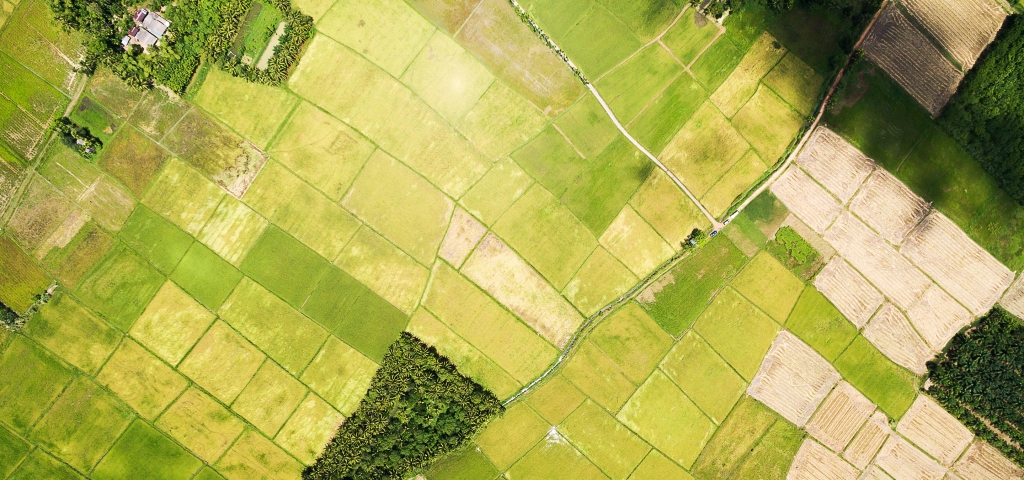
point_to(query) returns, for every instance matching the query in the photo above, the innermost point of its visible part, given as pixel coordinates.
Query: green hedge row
(418, 408)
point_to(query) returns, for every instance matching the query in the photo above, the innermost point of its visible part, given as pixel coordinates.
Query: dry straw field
(963, 27)
(848, 291)
(793, 379)
(910, 58)
(934, 430)
(831, 160)
(840, 417)
(894, 336)
(815, 462)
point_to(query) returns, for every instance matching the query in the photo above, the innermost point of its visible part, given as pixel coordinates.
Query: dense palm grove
(979, 380)
(418, 408)
(987, 114)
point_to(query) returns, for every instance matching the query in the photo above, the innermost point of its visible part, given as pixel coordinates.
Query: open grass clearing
(171, 324)
(705, 148)
(666, 208)
(447, 77)
(599, 41)
(704, 376)
(632, 340)
(369, 27)
(141, 380)
(660, 119)
(606, 442)
(269, 398)
(67, 328)
(678, 429)
(222, 362)
(339, 374)
(632, 85)
(34, 379)
(793, 380)
(551, 160)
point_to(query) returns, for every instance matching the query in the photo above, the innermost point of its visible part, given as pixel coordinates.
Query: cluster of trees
(10, 319)
(77, 137)
(298, 29)
(978, 378)
(986, 116)
(418, 408)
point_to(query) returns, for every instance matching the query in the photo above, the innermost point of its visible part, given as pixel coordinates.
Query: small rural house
(149, 28)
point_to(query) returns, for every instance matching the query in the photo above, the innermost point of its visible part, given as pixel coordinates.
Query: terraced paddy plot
(370, 28)
(869, 440)
(598, 377)
(503, 274)
(806, 199)
(229, 160)
(66, 327)
(662, 415)
(600, 280)
(389, 114)
(796, 82)
(321, 149)
(690, 35)
(793, 379)
(171, 324)
(20, 279)
(704, 376)
(402, 205)
(602, 189)
(660, 119)
(464, 232)
(133, 159)
(509, 437)
(596, 53)
(140, 379)
(40, 211)
(902, 460)
(310, 427)
(35, 379)
(254, 111)
(895, 276)
(447, 77)
(269, 398)
(895, 337)
(743, 82)
(157, 112)
(934, 430)
(736, 181)
(667, 209)
(896, 45)
(388, 271)
(632, 340)
(888, 206)
(474, 316)
(848, 291)
(959, 265)
(768, 284)
(184, 197)
(840, 417)
(813, 461)
(631, 86)
(500, 121)
(253, 456)
(556, 399)
(339, 374)
(706, 147)
(222, 362)
(587, 127)
(164, 458)
(984, 461)
(500, 40)
(963, 29)
(633, 241)
(886, 384)
(120, 287)
(768, 123)
(835, 163)
(25, 89)
(606, 442)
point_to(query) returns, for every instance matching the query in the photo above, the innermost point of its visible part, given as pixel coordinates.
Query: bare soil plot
(901, 459)
(815, 462)
(912, 60)
(938, 317)
(840, 417)
(835, 163)
(969, 273)
(895, 337)
(848, 291)
(934, 430)
(963, 27)
(464, 232)
(1013, 300)
(983, 462)
(879, 262)
(793, 379)
(806, 199)
(888, 206)
(500, 271)
(865, 445)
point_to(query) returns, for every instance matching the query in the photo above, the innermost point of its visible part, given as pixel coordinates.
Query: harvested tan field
(865, 445)
(464, 232)
(938, 317)
(1013, 300)
(806, 199)
(904, 461)
(895, 337)
(849, 291)
(963, 27)
(888, 206)
(64, 233)
(793, 379)
(983, 462)
(937, 432)
(874, 473)
(834, 163)
(969, 273)
(879, 262)
(840, 417)
(815, 462)
(909, 57)
(497, 269)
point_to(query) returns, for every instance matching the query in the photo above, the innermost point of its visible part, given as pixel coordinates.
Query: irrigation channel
(589, 324)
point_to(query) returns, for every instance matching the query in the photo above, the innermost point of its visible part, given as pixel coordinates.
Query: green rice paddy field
(233, 266)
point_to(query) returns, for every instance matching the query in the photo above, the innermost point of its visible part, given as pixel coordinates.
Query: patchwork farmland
(212, 294)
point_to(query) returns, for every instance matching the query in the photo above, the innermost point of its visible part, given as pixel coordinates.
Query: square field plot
(806, 199)
(20, 279)
(796, 82)
(556, 399)
(818, 323)
(120, 287)
(340, 375)
(70, 263)
(734, 439)
(369, 27)
(253, 456)
(232, 230)
(67, 328)
(551, 160)
(255, 111)
(144, 382)
(632, 340)
(144, 452)
(387, 270)
(690, 35)
(310, 427)
(840, 417)
(201, 424)
(206, 276)
(269, 398)
(447, 77)
(554, 457)
(155, 239)
(632, 85)
(793, 380)
(284, 266)
(171, 324)
(500, 121)
(835, 163)
(661, 414)
(32, 379)
(891, 387)
(848, 291)
(768, 284)
(769, 124)
(509, 437)
(705, 148)
(222, 362)
(183, 196)
(933, 429)
(600, 280)
(635, 243)
(704, 376)
(605, 441)
(739, 331)
(888, 206)
(597, 376)
(599, 41)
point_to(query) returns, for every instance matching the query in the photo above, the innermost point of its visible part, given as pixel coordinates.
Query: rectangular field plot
(587, 126)
(816, 321)
(206, 276)
(500, 121)
(385, 269)
(659, 121)
(933, 429)
(184, 197)
(848, 291)
(772, 457)
(634, 242)
(718, 60)
(508, 438)
(33, 379)
(895, 337)
(605, 441)
(171, 324)
(107, 201)
(113, 93)
(370, 27)
(768, 284)
(964, 269)
(222, 362)
(769, 124)
(74, 248)
(736, 181)
(796, 82)
(632, 85)
(31, 49)
(740, 332)
(41, 210)
(896, 45)
(133, 159)
(502, 273)
(599, 41)
(704, 149)
(806, 199)
(814, 462)
(269, 398)
(601, 190)
(632, 340)
(667, 209)
(901, 459)
(840, 417)
(743, 81)
(598, 377)
(25, 89)
(201, 424)
(340, 375)
(162, 457)
(253, 456)
(555, 399)
(891, 387)
(734, 439)
(121, 287)
(600, 280)
(984, 461)
(878, 261)
(704, 376)
(963, 27)
(141, 380)
(66, 327)
(690, 35)
(793, 379)
(835, 163)
(447, 77)
(661, 414)
(865, 445)
(19, 133)
(309, 428)
(888, 206)
(285, 266)
(255, 111)
(551, 160)
(20, 279)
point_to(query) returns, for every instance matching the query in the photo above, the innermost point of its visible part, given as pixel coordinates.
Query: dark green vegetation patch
(418, 408)
(795, 253)
(978, 378)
